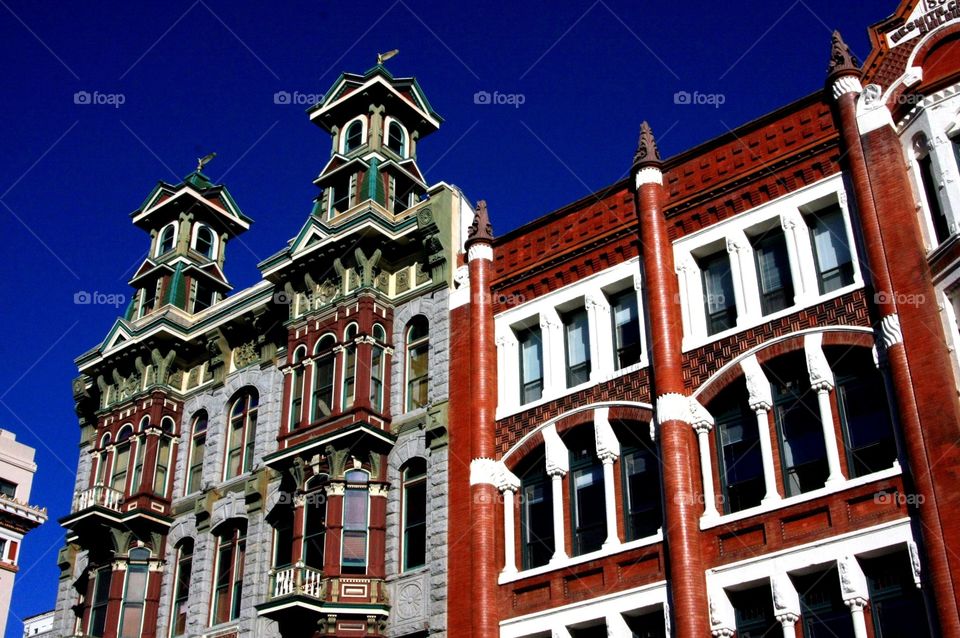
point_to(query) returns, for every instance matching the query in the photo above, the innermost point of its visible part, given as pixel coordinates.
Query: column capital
(821, 376)
(701, 420)
(758, 387)
(596, 300)
(607, 444)
(788, 619)
(673, 406)
(856, 604)
(558, 458)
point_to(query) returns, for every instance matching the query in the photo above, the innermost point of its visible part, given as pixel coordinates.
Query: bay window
(828, 235)
(719, 302)
(577, 347)
(773, 271)
(356, 505)
(323, 368)
(134, 594)
(315, 524)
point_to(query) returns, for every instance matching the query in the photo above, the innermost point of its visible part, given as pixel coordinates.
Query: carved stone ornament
(480, 230)
(841, 57)
(245, 354)
(647, 151)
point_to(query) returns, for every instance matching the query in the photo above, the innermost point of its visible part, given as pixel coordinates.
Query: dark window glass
(354, 136)
(650, 625)
(588, 514)
(822, 612)
(626, 329)
(536, 519)
(134, 594)
(576, 331)
(896, 603)
(418, 362)
(531, 364)
(205, 241)
(828, 234)
(641, 492)
(98, 604)
(242, 435)
(197, 443)
(864, 412)
(415, 515)
(315, 529)
(738, 441)
(283, 538)
(322, 387)
(165, 244)
(718, 298)
(802, 453)
(181, 592)
(296, 389)
(773, 271)
(930, 193)
(7, 488)
(376, 379)
(203, 298)
(355, 507)
(395, 138)
(753, 609)
(228, 590)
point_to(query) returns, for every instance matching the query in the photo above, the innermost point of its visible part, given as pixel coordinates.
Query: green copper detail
(177, 292)
(198, 180)
(131, 308)
(373, 185)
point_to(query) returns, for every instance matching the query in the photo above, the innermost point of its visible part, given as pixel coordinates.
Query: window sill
(602, 376)
(840, 486)
(692, 342)
(510, 577)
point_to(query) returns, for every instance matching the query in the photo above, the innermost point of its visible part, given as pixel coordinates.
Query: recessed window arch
(396, 137)
(354, 134)
(417, 339)
(242, 432)
(167, 238)
(204, 241)
(144, 424)
(167, 425)
(356, 510)
(315, 522)
(198, 441)
(134, 593)
(323, 371)
(181, 584)
(296, 387)
(413, 514)
(349, 367)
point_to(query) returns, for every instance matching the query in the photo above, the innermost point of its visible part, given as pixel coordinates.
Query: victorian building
(719, 397)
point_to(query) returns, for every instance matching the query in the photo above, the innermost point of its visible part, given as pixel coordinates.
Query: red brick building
(719, 397)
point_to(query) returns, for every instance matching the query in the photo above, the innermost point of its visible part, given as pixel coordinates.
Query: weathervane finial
(383, 57)
(203, 161)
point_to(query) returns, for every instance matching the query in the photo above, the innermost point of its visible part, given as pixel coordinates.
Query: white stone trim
(889, 331)
(608, 446)
(846, 84)
(758, 387)
(872, 111)
(480, 251)
(558, 457)
(673, 407)
(483, 472)
(817, 365)
(648, 175)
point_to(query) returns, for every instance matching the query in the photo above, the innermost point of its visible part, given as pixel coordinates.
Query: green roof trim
(373, 185)
(177, 291)
(198, 180)
(131, 308)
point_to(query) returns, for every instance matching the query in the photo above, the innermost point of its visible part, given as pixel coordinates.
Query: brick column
(688, 590)
(910, 334)
(483, 401)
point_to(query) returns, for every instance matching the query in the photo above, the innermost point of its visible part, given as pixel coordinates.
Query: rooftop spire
(647, 153)
(842, 60)
(480, 230)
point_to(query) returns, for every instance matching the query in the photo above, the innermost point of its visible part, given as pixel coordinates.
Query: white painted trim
(480, 251)
(364, 134)
(176, 237)
(648, 175)
(387, 121)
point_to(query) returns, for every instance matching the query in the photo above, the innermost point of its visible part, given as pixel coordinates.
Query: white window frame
(734, 235)
(176, 238)
(216, 240)
(364, 133)
(387, 121)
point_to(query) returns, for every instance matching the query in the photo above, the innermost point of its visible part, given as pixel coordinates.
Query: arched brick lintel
(917, 59)
(836, 336)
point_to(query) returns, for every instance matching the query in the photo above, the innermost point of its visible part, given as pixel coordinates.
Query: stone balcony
(98, 496)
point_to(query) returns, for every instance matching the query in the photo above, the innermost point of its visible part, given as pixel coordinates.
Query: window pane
(577, 341)
(531, 365)
(323, 388)
(315, 530)
(626, 329)
(829, 236)
(415, 524)
(932, 196)
(537, 524)
(591, 528)
(642, 493)
(719, 302)
(797, 413)
(773, 272)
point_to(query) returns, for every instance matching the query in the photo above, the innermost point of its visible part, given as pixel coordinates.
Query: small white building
(39, 625)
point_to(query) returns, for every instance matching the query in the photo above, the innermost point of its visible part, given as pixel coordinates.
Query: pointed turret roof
(481, 230)
(842, 59)
(647, 153)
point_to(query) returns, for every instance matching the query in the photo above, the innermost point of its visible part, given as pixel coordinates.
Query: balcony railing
(297, 580)
(98, 496)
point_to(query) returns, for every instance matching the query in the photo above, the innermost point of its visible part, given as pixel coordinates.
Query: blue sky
(171, 81)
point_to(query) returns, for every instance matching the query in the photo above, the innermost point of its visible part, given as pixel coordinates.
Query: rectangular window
(353, 554)
(228, 589)
(181, 592)
(341, 198)
(896, 603)
(828, 234)
(753, 611)
(138, 466)
(741, 469)
(315, 529)
(537, 523)
(589, 512)
(203, 297)
(98, 603)
(773, 271)
(418, 373)
(531, 364)
(626, 329)
(349, 375)
(163, 463)
(8, 488)
(641, 493)
(376, 379)
(296, 399)
(929, 184)
(352, 197)
(822, 611)
(148, 298)
(414, 522)
(323, 388)
(803, 456)
(120, 463)
(865, 416)
(196, 462)
(719, 302)
(577, 346)
(135, 591)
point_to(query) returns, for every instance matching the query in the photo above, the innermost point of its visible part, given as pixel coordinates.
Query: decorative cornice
(483, 472)
(480, 251)
(480, 230)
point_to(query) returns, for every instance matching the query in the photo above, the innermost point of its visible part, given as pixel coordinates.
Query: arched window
(315, 522)
(588, 512)
(144, 424)
(121, 459)
(349, 367)
(198, 439)
(181, 592)
(536, 514)
(418, 362)
(377, 360)
(99, 600)
(228, 585)
(323, 368)
(353, 551)
(242, 433)
(103, 460)
(296, 388)
(134, 594)
(414, 514)
(396, 138)
(354, 136)
(167, 239)
(162, 468)
(204, 241)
